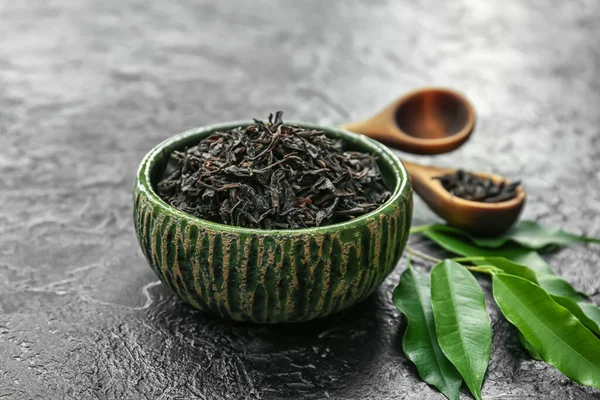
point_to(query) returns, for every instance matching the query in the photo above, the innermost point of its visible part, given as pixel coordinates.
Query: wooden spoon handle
(375, 129)
(421, 177)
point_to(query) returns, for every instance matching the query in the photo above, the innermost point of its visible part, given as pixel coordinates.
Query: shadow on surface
(309, 358)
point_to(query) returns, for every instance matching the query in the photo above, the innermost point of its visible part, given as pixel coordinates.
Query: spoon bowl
(477, 218)
(425, 121)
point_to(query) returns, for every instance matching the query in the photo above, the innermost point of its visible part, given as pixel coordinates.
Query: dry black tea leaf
(273, 176)
(475, 188)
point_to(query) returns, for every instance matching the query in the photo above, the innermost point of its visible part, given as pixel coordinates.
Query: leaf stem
(420, 228)
(468, 259)
(410, 250)
(484, 269)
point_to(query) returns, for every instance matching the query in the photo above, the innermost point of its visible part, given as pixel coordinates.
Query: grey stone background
(88, 87)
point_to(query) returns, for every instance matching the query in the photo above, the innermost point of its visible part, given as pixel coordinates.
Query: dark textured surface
(87, 88)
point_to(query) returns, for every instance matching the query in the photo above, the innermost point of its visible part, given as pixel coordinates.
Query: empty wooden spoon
(424, 121)
(435, 121)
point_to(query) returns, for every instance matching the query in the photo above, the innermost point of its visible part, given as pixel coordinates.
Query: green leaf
(412, 297)
(524, 256)
(559, 338)
(460, 245)
(526, 233)
(591, 311)
(558, 286)
(551, 283)
(554, 285)
(562, 293)
(461, 322)
(534, 236)
(510, 267)
(529, 347)
(581, 311)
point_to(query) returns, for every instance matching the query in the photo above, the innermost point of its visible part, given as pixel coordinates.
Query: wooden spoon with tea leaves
(435, 121)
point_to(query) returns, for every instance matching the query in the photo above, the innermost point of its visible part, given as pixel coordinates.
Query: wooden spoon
(478, 218)
(424, 121)
(435, 121)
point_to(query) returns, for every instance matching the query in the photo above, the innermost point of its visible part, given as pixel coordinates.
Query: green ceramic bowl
(271, 276)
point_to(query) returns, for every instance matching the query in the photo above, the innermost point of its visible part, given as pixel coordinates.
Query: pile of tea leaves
(272, 176)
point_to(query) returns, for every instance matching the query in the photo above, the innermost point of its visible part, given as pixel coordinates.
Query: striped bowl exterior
(270, 276)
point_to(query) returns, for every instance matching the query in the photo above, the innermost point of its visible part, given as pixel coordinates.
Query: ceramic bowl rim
(144, 184)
